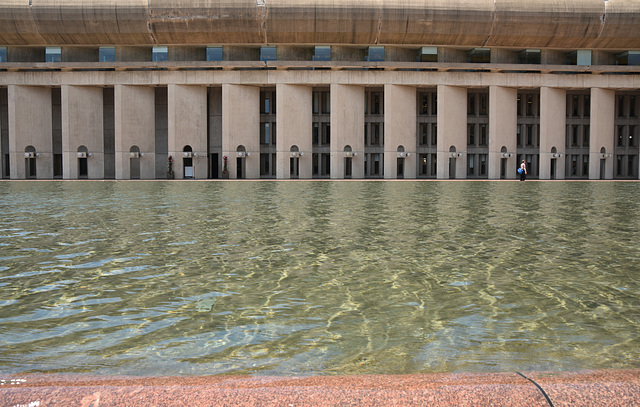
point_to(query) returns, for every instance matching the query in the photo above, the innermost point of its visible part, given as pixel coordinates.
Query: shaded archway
(452, 162)
(504, 159)
(187, 162)
(83, 164)
(30, 169)
(348, 161)
(241, 165)
(553, 163)
(603, 162)
(134, 162)
(401, 154)
(294, 162)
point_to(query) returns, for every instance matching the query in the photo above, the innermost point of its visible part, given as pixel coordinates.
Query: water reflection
(154, 278)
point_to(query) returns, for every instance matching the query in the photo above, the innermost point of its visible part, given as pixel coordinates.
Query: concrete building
(319, 89)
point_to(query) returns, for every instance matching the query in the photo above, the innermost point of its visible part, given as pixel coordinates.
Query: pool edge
(589, 387)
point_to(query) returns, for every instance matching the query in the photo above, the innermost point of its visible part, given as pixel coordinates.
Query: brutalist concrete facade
(132, 89)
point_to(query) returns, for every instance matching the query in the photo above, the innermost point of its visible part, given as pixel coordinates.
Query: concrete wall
(399, 129)
(188, 127)
(234, 117)
(603, 104)
(452, 129)
(347, 128)
(503, 121)
(82, 125)
(293, 127)
(553, 120)
(135, 126)
(241, 127)
(30, 124)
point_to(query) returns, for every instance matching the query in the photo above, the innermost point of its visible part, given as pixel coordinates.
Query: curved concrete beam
(569, 24)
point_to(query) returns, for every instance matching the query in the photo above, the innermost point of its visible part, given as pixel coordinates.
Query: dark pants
(523, 176)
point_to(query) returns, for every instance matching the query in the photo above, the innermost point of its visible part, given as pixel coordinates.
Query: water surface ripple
(335, 277)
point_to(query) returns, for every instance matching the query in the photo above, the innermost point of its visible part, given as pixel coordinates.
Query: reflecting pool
(318, 277)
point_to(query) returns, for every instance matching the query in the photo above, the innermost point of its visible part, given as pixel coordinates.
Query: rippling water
(344, 277)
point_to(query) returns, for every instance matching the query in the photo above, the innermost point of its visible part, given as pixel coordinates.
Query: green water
(298, 278)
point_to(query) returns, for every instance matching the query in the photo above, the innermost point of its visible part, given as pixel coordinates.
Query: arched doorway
(452, 162)
(30, 162)
(348, 161)
(134, 162)
(504, 158)
(400, 162)
(554, 163)
(294, 162)
(241, 165)
(603, 162)
(187, 162)
(83, 165)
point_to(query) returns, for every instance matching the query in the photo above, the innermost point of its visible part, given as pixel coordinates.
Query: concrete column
(503, 56)
(3, 128)
(187, 126)
(293, 127)
(603, 102)
(452, 129)
(503, 125)
(134, 108)
(131, 54)
(82, 125)
(347, 128)
(241, 127)
(80, 54)
(399, 129)
(553, 120)
(26, 54)
(186, 53)
(30, 124)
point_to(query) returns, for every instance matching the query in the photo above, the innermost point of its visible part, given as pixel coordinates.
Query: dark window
(620, 138)
(322, 53)
(107, 54)
(214, 53)
(529, 56)
(484, 99)
(160, 53)
(376, 54)
(471, 134)
(53, 54)
(268, 54)
(483, 135)
(315, 134)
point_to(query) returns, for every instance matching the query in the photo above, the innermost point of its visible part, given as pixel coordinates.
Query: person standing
(523, 171)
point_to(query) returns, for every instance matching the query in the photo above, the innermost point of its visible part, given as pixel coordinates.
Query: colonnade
(31, 119)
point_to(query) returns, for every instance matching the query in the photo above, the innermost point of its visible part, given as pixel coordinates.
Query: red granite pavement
(589, 388)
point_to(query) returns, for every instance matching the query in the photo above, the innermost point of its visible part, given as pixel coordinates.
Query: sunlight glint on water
(169, 278)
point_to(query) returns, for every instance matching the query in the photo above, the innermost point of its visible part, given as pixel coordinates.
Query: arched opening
(452, 162)
(400, 162)
(83, 165)
(134, 162)
(294, 162)
(30, 162)
(348, 161)
(187, 162)
(241, 156)
(504, 159)
(554, 163)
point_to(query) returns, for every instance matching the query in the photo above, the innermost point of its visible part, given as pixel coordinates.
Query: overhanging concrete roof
(560, 24)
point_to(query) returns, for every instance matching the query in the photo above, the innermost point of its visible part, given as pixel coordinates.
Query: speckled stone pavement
(586, 388)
